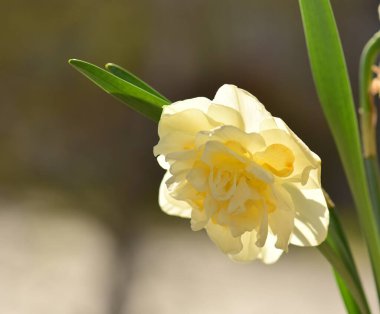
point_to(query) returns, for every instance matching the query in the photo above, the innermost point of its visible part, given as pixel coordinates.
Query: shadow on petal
(311, 216)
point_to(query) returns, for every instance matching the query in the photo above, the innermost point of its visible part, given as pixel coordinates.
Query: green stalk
(337, 251)
(349, 301)
(334, 90)
(373, 178)
(354, 296)
(368, 119)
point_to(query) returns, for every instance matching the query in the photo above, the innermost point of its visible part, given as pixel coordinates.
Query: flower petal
(304, 159)
(178, 132)
(199, 103)
(162, 162)
(311, 215)
(198, 176)
(277, 158)
(268, 253)
(190, 122)
(170, 205)
(226, 115)
(281, 220)
(251, 110)
(223, 238)
(251, 142)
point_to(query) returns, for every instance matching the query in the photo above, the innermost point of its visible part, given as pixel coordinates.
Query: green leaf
(133, 79)
(136, 98)
(337, 251)
(348, 299)
(344, 273)
(335, 95)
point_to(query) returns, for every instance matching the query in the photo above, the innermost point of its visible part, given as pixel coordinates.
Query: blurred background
(80, 228)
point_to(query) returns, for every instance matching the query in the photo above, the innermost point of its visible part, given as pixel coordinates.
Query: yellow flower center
(236, 183)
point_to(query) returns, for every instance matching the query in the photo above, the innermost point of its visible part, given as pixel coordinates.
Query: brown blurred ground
(60, 133)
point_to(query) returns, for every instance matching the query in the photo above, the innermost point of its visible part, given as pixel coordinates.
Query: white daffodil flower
(241, 174)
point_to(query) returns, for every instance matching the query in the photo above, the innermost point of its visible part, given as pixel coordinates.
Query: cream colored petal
(304, 161)
(243, 215)
(170, 205)
(243, 193)
(260, 173)
(282, 225)
(314, 180)
(226, 116)
(173, 141)
(276, 158)
(216, 153)
(311, 157)
(162, 162)
(198, 176)
(251, 110)
(311, 215)
(268, 254)
(273, 123)
(178, 133)
(262, 232)
(199, 219)
(249, 142)
(181, 161)
(189, 122)
(199, 103)
(223, 239)
(281, 220)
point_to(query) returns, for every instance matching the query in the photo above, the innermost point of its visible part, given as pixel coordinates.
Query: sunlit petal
(170, 205)
(251, 110)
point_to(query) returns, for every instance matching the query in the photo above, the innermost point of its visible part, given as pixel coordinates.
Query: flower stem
(368, 112)
(351, 294)
(368, 119)
(337, 251)
(349, 301)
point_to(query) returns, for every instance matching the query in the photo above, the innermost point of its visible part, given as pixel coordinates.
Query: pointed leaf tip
(135, 97)
(129, 77)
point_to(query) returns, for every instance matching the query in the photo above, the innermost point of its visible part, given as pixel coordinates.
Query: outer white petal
(177, 132)
(223, 238)
(311, 215)
(162, 162)
(274, 123)
(199, 219)
(173, 141)
(226, 115)
(170, 205)
(269, 254)
(314, 181)
(251, 110)
(190, 122)
(199, 103)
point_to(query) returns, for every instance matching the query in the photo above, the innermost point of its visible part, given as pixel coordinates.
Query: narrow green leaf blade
(335, 95)
(351, 288)
(331, 79)
(133, 79)
(136, 98)
(348, 299)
